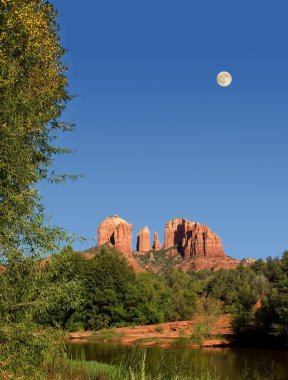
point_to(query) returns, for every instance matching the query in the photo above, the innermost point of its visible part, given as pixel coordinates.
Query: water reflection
(225, 362)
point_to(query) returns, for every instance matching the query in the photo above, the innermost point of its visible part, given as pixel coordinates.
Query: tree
(185, 292)
(151, 302)
(277, 302)
(65, 271)
(29, 296)
(108, 280)
(33, 94)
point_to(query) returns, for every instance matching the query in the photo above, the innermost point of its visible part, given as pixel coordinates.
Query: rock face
(143, 240)
(200, 263)
(117, 232)
(189, 245)
(156, 244)
(192, 239)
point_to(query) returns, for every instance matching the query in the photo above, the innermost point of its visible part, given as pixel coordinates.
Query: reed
(133, 366)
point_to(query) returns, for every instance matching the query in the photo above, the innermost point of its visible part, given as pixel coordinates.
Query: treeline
(109, 294)
(40, 301)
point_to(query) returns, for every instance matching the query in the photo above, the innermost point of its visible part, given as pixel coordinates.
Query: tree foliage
(257, 297)
(33, 94)
(185, 294)
(113, 295)
(29, 297)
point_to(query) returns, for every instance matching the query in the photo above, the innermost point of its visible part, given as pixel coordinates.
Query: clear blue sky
(157, 138)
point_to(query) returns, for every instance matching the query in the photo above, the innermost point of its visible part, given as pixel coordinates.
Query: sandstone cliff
(143, 240)
(117, 232)
(187, 245)
(192, 239)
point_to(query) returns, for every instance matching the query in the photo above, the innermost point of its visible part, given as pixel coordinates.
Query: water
(227, 363)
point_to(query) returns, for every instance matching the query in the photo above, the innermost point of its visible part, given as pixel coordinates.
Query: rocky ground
(164, 334)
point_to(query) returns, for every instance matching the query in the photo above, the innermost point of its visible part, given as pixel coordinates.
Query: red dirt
(163, 334)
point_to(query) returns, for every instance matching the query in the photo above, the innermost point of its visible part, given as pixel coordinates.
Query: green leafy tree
(107, 281)
(28, 294)
(151, 301)
(269, 284)
(33, 94)
(274, 314)
(185, 293)
(279, 303)
(65, 271)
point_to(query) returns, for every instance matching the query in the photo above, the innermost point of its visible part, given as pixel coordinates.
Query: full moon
(224, 79)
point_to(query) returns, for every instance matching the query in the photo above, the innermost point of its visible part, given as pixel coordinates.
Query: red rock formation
(157, 244)
(200, 263)
(143, 240)
(117, 232)
(192, 239)
(198, 245)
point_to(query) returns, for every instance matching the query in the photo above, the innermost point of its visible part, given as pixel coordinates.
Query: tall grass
(271, 373)
(91, 370)
(133, 367)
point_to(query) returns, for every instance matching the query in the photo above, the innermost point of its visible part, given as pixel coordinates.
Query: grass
(271, 373)
(86, 370)
(182, 340)
(107, 334)
(159, 329)
(91, 370)
(133, 366)
(201, 332)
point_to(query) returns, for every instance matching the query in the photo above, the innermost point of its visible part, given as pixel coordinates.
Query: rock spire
(143, 240)
(157, 244)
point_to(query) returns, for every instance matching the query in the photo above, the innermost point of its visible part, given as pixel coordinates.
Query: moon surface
(224, 79)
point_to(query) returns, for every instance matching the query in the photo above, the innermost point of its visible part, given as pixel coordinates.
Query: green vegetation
(83, 370)
(257, 297)
(116, 296)
(107, 334)
(74, 293)
(159, 329)
(134, 367)
(161, 260)
(33, 94)
(201, 331)
(111, 295)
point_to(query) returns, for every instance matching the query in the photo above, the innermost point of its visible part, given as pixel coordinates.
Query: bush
(201, 332)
